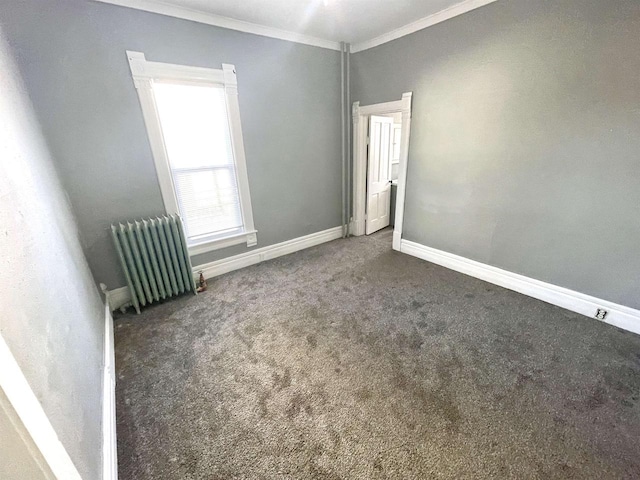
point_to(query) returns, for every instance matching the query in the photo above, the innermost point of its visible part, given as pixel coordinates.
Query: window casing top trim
(144, 73)
(142, 69)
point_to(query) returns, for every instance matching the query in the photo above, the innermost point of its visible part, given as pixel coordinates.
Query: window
(193, 122)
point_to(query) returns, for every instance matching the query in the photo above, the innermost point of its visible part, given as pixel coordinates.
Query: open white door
(378, 181)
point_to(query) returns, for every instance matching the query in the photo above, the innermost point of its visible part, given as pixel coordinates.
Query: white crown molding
(619, 315)
(121, 297)
(163, 8)
(184, 13)
(428, 21)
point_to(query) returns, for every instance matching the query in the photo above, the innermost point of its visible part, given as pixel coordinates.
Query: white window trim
(144, 73)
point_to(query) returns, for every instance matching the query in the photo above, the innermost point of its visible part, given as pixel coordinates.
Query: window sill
(249, 238)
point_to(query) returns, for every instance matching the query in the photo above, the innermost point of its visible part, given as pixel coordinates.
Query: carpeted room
(416, 222)
(350, 360)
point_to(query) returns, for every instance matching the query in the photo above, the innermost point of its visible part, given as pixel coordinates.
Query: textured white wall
(51, 315)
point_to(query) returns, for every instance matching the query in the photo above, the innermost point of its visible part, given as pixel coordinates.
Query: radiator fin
(155, 259)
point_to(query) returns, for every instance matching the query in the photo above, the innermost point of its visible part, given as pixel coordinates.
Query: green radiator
(155, 259)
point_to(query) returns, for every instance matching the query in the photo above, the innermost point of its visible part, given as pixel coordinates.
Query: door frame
(360, 125)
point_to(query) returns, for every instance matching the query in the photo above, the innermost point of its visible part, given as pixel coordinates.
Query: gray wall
(525, 141)
(51, 315)
(72, 56)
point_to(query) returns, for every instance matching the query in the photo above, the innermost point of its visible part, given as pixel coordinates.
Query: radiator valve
(202, 284)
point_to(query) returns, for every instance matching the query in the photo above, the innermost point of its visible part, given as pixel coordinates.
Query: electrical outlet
(601, 314)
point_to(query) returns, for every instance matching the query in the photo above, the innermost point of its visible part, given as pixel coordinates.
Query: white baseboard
(618, 315)
(247, 259)
(51, 456)
(109, 449)
(120, 297)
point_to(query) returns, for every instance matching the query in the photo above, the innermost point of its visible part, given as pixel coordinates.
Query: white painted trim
(143, 84)
(144, 74)
(618, 315)
(360, 125)
(109, 445)
(385, 108)
(155, 6)
(398, 222)
(428, 21)
(194, 15)
(397, 239)
(237, 144)
(243, 260)
(143, 69)
(360, 140)
(250, 238)
(26, 405)
(119, 297)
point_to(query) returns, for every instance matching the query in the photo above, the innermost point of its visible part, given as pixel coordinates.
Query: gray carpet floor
(352, 361)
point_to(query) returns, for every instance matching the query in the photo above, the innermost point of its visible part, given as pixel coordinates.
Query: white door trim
(360, 125)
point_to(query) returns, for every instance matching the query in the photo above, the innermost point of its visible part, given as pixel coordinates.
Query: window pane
(196, 134)
(194, 124)
(209, 200)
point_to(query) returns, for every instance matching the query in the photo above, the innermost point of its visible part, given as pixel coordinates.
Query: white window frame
(144, 74)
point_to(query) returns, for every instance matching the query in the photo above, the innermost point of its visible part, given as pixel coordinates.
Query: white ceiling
(350, 21)
(363, 23)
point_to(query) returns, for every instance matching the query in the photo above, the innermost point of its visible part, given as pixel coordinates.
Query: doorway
(381, 145)
(383, 159)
